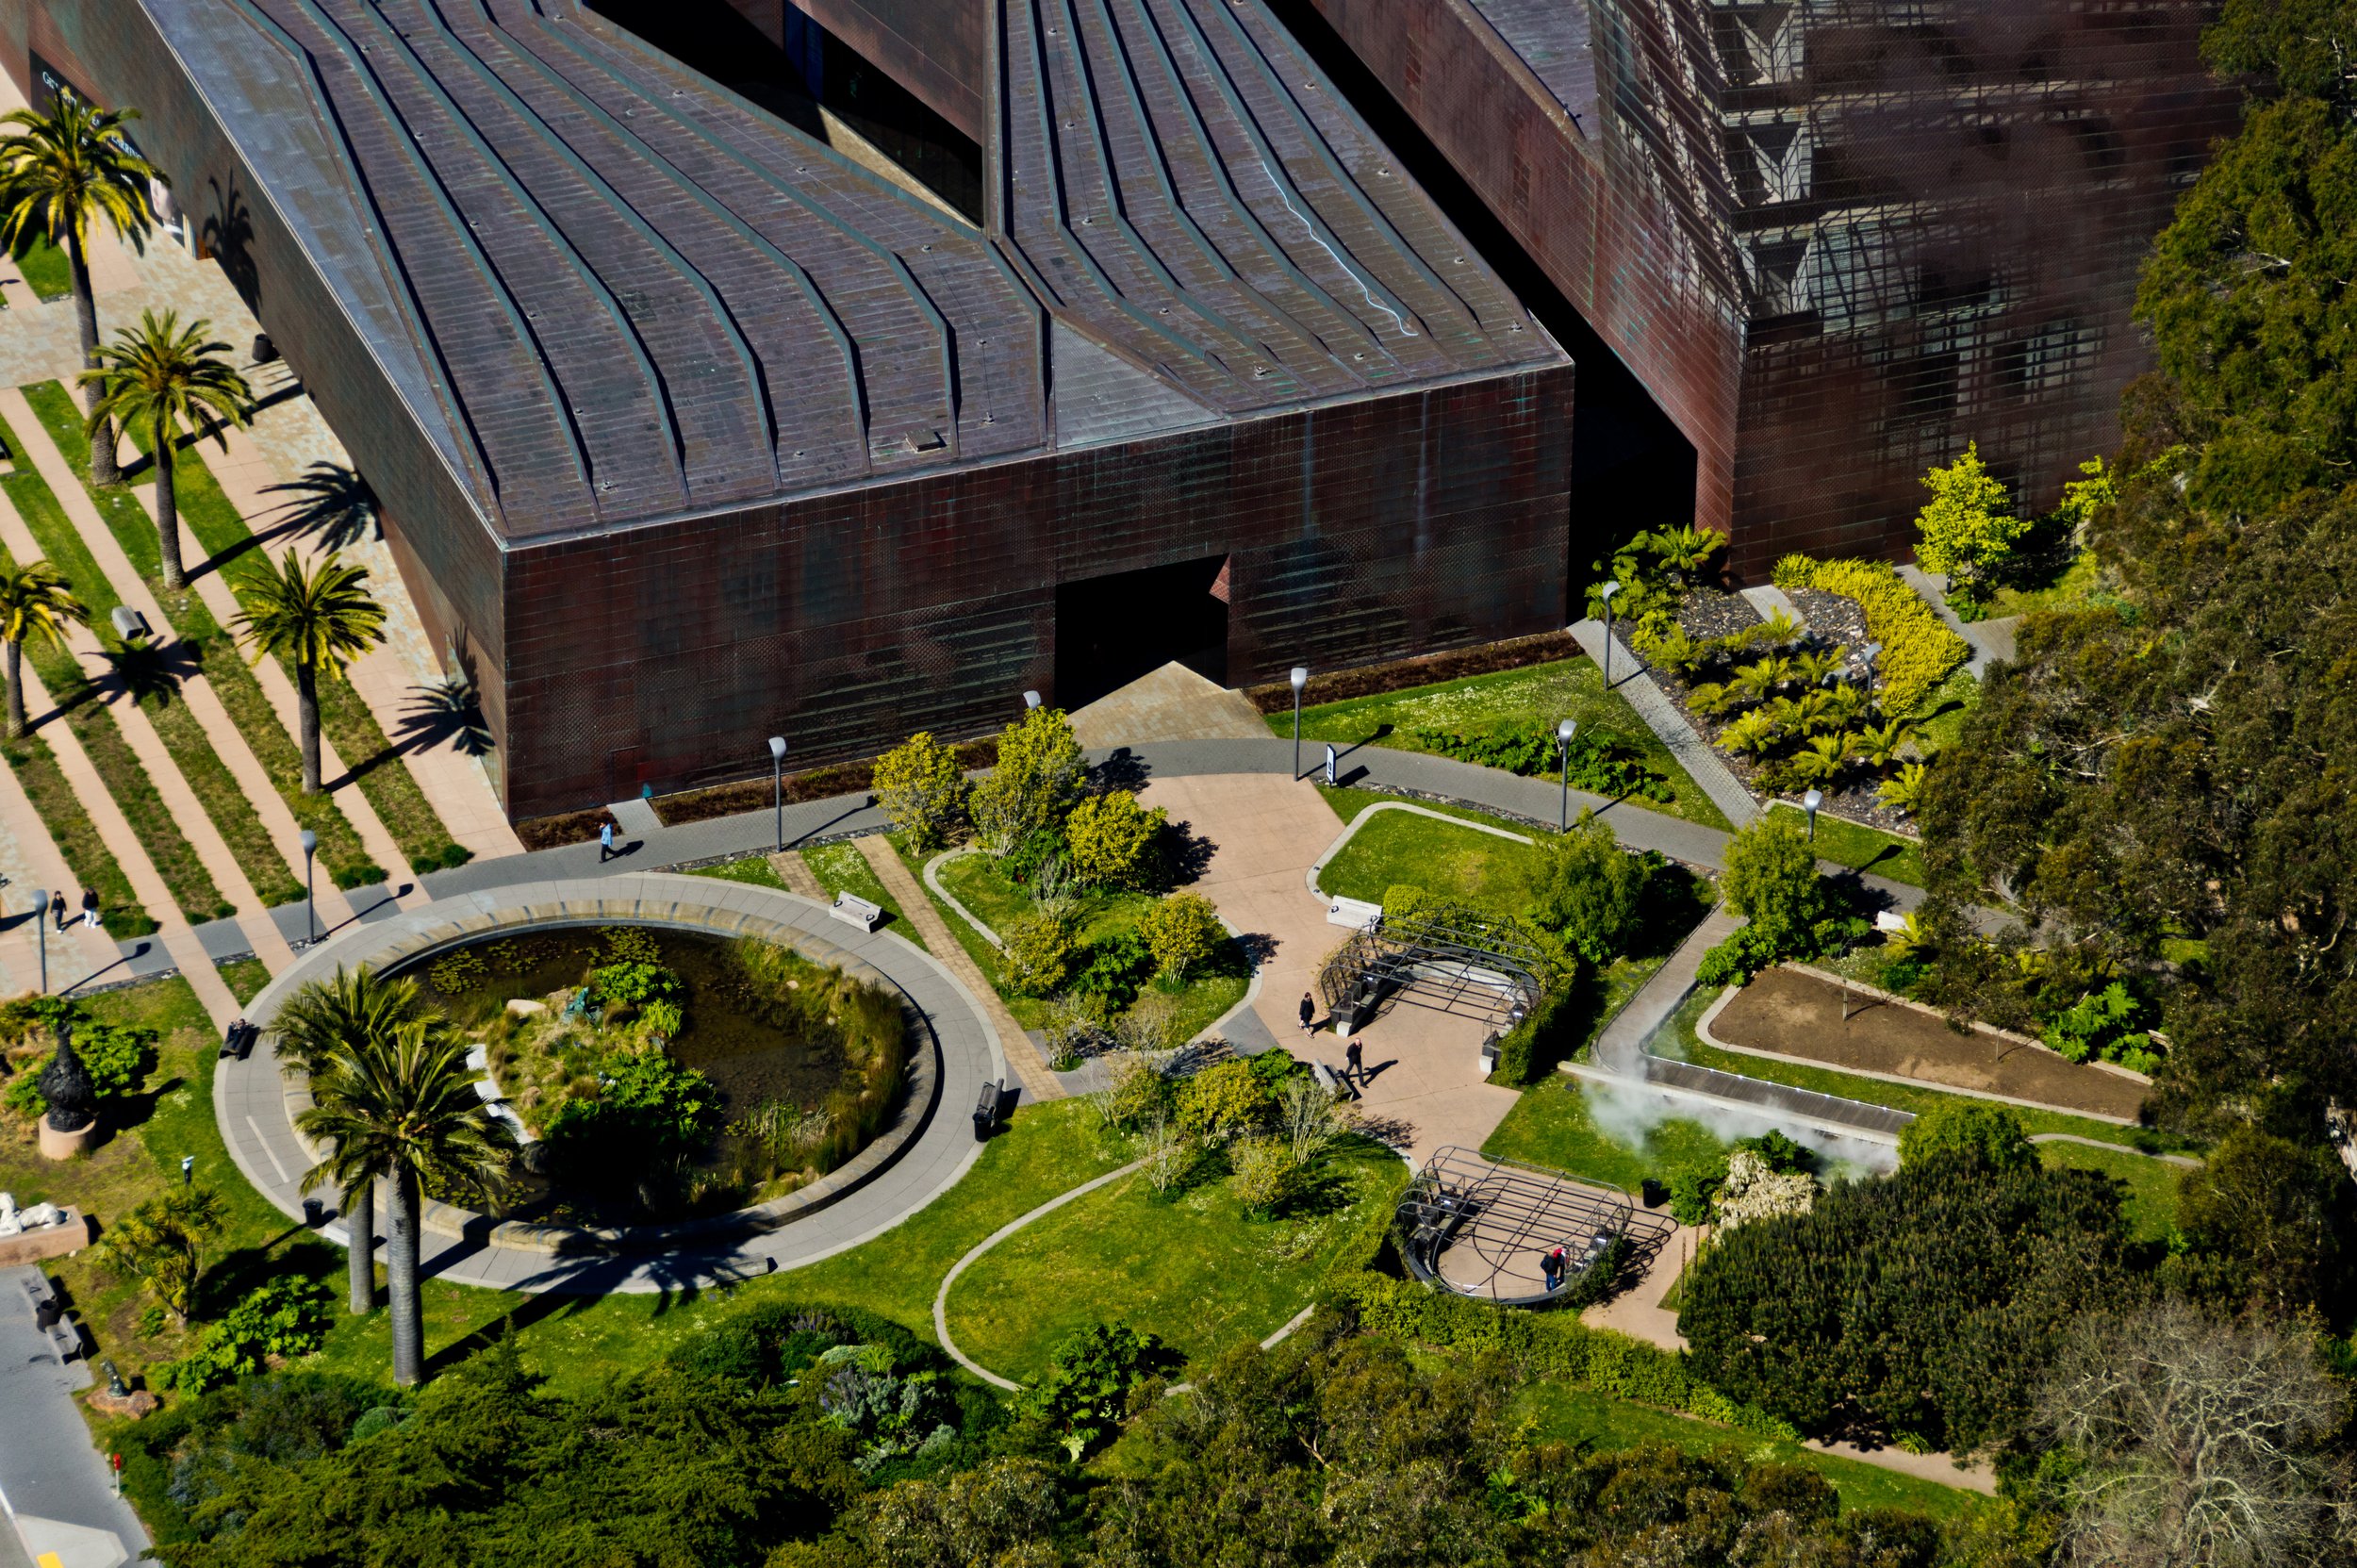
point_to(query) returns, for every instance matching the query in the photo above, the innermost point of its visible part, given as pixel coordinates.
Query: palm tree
(1822, 760)
(1755, 731)
(35, 601)
(321, 619)
(345, 1013)
(401, 1108)
(62, 172)
(1686, 549)
(161, 376)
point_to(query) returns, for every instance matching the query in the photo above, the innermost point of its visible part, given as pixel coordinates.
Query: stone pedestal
(65, 1146)
(139, 1404)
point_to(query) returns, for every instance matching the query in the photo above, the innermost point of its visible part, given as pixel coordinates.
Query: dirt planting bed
(1788, 1014)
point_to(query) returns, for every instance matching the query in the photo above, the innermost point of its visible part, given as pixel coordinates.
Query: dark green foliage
(1592, 892)
(2105, 1025)
(661, 1468)
(2264, 1224)
(287, 1317)
(1601, 762)
(1547, 1035)
(1694, 1189)
(649, 1111)
(1928, 1304)
(179, 1459)
(761, 1345)
(1987, 1136)
(116, 1057)
(1094, 1382)
(1111, 969)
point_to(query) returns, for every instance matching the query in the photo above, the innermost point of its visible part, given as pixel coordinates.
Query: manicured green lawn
(1195, 1270)
(1459, 863)
(1601, 1424)
(1864, 849)
(977, 882)
(840, 868)
(2067, 591)
(245, 978)
(1541, 694)
(755, 869)
(2151, 1184)
(1554, 1123)
(45, 270)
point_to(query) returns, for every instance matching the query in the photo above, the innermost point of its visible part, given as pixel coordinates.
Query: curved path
(253, 1100)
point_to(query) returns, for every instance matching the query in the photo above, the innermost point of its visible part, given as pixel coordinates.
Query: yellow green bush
(1918, 650)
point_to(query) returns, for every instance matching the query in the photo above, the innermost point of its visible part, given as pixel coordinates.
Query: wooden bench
(854, 910)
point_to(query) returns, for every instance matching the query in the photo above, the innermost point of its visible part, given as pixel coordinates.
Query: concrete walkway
(253, 1101)
(1696, 755)
(1990, 640)
(57, 1488)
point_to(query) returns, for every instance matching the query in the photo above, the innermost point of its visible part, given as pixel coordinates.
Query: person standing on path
(1551, 1267)
(56, 908)
(1354, 1066)
(1308, 1014)
(606, 841)
(90, 907)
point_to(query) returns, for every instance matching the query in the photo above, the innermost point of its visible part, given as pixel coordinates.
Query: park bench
(1355, 913)
(854, 910)
(986, 1112)
(238, 1039)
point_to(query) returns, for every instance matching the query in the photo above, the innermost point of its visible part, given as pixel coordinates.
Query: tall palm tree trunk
(400, 1278)
(16, 689)
(104, 469)
(360, 1220)
(307, 720)
(168, 509)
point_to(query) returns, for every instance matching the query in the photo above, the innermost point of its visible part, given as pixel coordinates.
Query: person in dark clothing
(1308, 1014)
(90, 907)
(1551, 1266)
(56, 908)
(1354, 1064)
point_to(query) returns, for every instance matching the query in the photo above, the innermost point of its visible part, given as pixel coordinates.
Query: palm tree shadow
(149, 673)
(446, 710)
(332, 503)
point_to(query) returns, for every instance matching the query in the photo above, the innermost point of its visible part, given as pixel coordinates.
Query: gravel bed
(1835, 622)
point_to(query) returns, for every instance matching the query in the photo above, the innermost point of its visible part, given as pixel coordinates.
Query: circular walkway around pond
(907, 1166)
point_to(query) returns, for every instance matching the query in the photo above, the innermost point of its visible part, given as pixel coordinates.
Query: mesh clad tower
(1834, 239)
(690, 431)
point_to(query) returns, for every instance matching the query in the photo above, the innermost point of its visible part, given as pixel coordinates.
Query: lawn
(211, 648)
(1194, 1269)
(1938, 719)
(1554, 1125)
(1864, 849)
(755, 869)
(1601, 1424)
(1541, 694)
(2067, 591)
(1455, 862)
(840, 868)
(977, 881)
(45, 269)
(2151, 1201)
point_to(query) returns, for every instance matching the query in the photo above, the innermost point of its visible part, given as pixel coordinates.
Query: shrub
(1989, 1138)
(1602, 763)
(1037, 958)
(1137, 1094)
(1223, 1101)
(1592, 892)
(921, 787)
(1183, 933)
(1086, 1394)
(117, 1057)
(633, 984)
(1968, 527)
(1111, 841)
(1035, 784)
(2105, 1024)
(1545, 1036)
(1266, 1173)
(648, 1110)
(1918, 649)
(287, 1317)
(1115, 968)
(1770, 879)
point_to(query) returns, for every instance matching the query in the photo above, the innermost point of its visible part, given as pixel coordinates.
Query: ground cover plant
(1507, 720)
(207, 646)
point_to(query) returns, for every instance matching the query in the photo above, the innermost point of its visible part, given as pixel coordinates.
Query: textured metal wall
(937, 49)
(1366, 531)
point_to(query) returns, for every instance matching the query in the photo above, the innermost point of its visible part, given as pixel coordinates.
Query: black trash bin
(264, 350)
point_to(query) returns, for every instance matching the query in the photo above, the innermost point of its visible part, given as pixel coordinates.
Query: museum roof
(612, 290)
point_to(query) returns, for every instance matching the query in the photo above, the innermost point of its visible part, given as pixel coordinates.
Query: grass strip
(1861, 848)
(344, 716)
(340, 853)
(175, 857)
(76, 837)
(840, 868)
(46, 270)
(208, 777)
(245, 978)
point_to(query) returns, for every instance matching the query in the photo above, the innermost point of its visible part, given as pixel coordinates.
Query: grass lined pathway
(265, 741)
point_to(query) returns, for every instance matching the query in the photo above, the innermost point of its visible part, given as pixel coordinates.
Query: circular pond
(658, 1073)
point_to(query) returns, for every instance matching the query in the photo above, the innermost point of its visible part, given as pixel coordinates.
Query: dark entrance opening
(1111, 630)
(1632, 469)
(800, 68)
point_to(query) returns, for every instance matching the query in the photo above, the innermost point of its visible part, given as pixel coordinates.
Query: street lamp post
(310, 889)
(40, 929)
(1809, 802)
(777, 784)
(1030, 700)
(1563, 734)
(1606, 593)
(1300, 678)
(1867, 655)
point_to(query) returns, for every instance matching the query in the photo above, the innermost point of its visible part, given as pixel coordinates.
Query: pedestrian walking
(1354, 1064)
(1308, 1014)
(90, 907)
(606, 841)
(56, 908)
(1551, 1267)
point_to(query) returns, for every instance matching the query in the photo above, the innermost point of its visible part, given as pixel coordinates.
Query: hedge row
(1918, 649)
(1551, 1345)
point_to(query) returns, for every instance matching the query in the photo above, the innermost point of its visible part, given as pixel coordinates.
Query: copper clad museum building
(730, 367)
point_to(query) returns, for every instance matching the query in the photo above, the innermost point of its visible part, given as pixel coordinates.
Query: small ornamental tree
(1034, 784)
(1592, 892)
(921, 787)
(1221, 1101)
(1037, 958)
(1111, 841)
(1085, 1397)
(1967, 528)
(1989, 1136)
(161, 1244)
(1771, 881)
(1182, 932)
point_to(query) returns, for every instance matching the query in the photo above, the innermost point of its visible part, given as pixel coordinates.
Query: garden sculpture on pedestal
(72, 1098)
